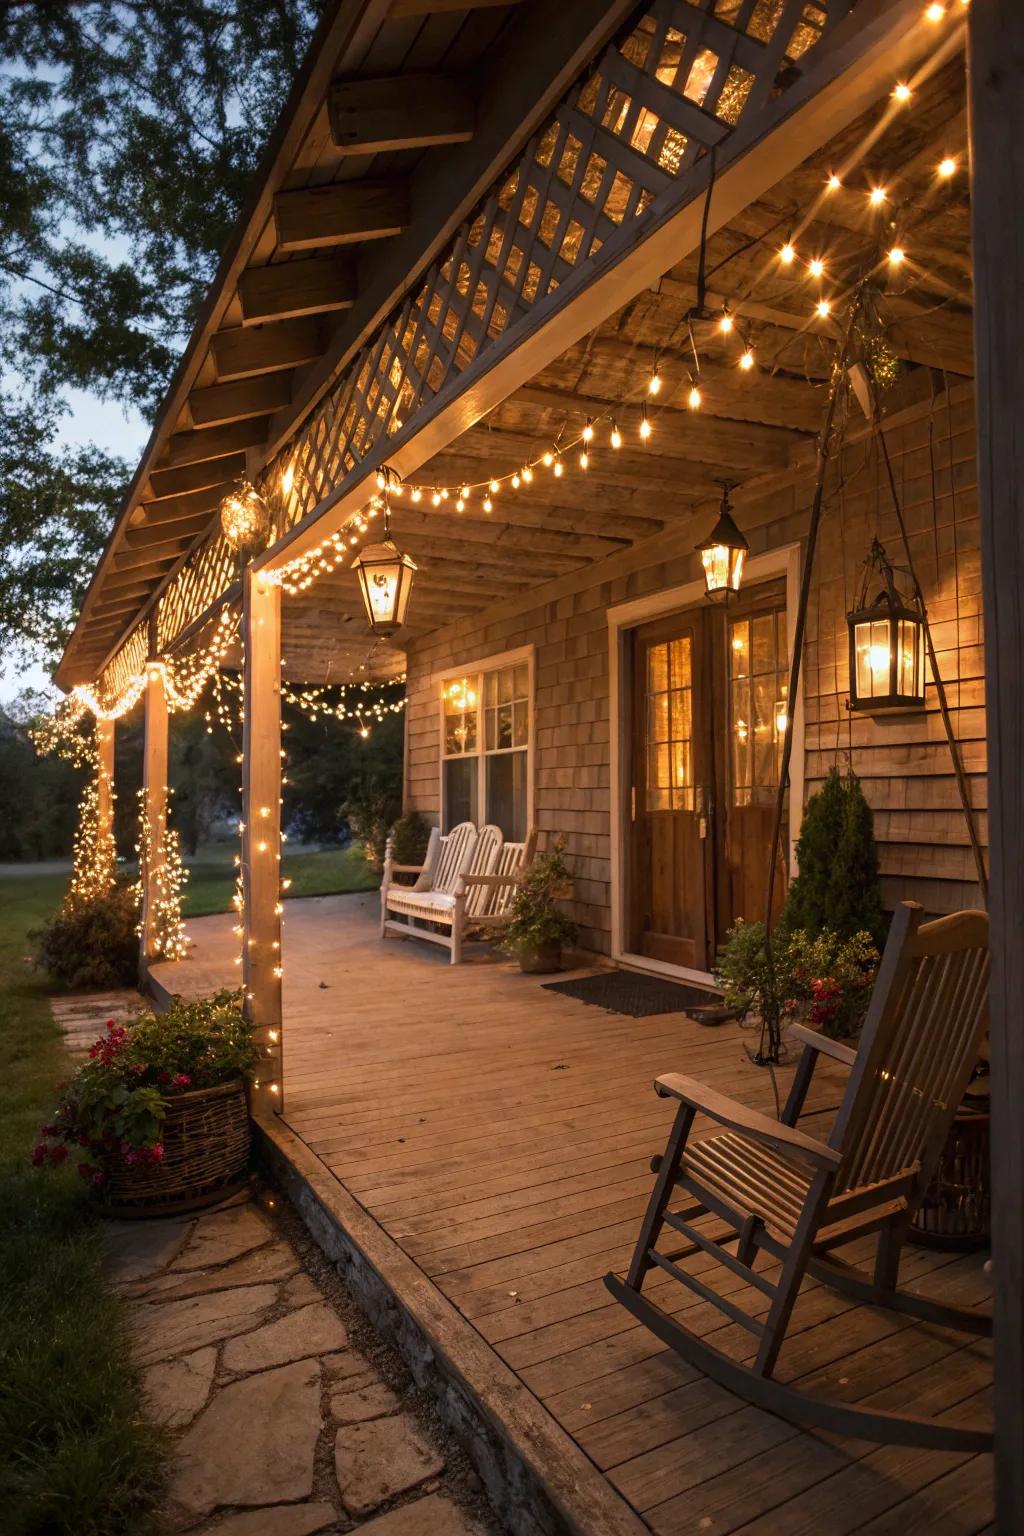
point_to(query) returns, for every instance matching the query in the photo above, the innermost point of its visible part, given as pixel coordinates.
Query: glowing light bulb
(823, 307)
(787, 255)
(416, 493)
(654, 383)
(816, 267)
(876, 197)
(515, 482)
(548, 459)
(897, 256)
(935, 12)
(588, 431)
(488, 504)
(747, 360)
(558, 467)
(725, 324)
(584, 459)
(693, 399)
(833, 183)
(527, 474)
(947, 166)
(645, 426)
(616, 437)
(902, 91)
(494, 487)
(460, 505)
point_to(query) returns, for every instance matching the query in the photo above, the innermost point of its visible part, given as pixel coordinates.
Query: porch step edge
(534, 1472)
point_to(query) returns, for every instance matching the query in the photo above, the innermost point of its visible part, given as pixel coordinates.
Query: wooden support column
(154, 806)
(261, 837)
(996, 104)
(105, 785)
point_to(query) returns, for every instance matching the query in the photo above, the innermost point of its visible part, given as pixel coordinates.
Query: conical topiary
(820, 831)
(837, 889)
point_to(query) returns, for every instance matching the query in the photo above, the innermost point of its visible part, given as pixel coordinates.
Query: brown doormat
(638, 997)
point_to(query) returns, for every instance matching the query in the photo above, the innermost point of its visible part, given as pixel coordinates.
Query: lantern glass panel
(872, 643)
(723, 567)
(910, 668)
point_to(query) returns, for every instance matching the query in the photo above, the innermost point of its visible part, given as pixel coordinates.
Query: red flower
(163, 1077)
(39, 1154)
(58, 1154)
(155, 1154)
(182, 1081)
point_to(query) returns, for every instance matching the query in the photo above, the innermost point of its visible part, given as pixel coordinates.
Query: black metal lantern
(723, 553)
(886, 643)
(385, 579)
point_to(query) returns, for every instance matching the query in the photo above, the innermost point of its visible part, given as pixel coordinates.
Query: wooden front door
(708, 715)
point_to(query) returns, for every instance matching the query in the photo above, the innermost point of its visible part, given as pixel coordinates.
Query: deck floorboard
(501, 1135)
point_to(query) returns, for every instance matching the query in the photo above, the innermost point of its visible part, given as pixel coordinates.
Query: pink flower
(39, 1154)
(182, 1081)
(155, 1154)
(58, 1154)
(129, 1158)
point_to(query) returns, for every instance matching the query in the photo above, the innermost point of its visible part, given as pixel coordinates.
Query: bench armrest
(749, 1122)
(407, 869)
(823, 1045)
(492, 882)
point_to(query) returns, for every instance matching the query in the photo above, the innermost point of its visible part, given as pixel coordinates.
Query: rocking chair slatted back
(921, 1041)
(488, 852)
(456, 854)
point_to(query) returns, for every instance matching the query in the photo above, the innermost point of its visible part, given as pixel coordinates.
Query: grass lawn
(211, 877)
(75, 1460)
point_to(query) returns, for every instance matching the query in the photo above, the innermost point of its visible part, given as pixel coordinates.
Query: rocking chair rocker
(797, 1198)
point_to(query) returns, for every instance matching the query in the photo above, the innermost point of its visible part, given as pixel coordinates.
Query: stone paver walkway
(289, 1416)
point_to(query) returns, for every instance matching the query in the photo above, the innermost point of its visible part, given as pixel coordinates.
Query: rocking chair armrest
(822, 1044)
(749, 1122)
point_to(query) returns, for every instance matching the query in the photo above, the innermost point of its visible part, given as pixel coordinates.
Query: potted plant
(157, 1116)
(824, 979)
(538, 930)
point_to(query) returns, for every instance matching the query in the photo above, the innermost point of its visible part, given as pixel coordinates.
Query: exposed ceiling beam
(174, 508)
(412, 111)
(214, 442)
(342, 214)
(294, 288)
(221, 403)
(267, 348)
(196, 477)
(184, 529)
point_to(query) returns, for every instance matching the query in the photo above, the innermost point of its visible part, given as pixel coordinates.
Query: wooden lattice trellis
(657, 101)
(124, 666)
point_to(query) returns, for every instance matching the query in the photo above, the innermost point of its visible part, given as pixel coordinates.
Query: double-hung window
(485, 745)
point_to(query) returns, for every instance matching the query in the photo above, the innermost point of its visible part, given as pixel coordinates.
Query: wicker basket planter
(206, 1156)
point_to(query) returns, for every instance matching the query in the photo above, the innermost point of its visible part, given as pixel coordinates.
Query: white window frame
(476, 669)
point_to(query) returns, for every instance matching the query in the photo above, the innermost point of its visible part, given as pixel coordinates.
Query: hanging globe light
(886, 643)
(385, 579)
(245, 520)
(723, 552)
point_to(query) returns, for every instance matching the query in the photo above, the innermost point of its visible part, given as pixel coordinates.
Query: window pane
(461, 703)
(459, 791)
(520, 723)
(506, 794)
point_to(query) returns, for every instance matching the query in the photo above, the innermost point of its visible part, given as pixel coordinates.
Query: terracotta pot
(541, 959)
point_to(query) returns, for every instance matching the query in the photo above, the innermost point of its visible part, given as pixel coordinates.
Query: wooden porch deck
(501, 1134)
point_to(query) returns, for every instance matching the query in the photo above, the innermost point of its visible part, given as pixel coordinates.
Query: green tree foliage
(129, 134)
(837, 889)
(38, 796)
(338, 779)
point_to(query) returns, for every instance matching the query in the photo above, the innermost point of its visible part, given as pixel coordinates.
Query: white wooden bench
(465, 883)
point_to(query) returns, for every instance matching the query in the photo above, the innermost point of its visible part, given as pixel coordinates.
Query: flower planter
(541, 959)
(206, 1156)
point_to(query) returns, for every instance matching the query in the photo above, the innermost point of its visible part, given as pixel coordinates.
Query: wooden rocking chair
(798, 1198)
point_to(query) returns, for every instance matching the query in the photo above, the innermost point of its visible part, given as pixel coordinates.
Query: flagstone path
(289, 1415)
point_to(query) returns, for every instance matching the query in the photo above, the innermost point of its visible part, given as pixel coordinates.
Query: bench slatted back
(489, 850)
(456, 854)
(921, 1041)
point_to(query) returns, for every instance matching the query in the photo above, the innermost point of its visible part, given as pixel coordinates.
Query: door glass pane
(758, 711)
(668, 748)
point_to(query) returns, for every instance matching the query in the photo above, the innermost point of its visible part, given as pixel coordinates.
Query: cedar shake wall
(903, 760)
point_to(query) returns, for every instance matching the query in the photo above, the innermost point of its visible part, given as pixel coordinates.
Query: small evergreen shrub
(409, 838)
(837, 889)
(93, 943)
(537, 921)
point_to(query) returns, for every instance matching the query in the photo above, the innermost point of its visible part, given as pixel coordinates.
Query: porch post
(154, 802)
(996, 107)
(261, 835)
(105, 787)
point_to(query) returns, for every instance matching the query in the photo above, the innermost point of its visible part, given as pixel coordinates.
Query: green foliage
(333, 770)
(115, 1104)
(409, 838)
(129, 135)
(837, 889)
(93, 943)
(822, 978)
(537, 921)
(77, 1457)
(38, 795)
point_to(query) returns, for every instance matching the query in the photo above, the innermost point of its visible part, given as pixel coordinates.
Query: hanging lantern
(385, 579)
(722, 553)
(245, 520)
(886, 643)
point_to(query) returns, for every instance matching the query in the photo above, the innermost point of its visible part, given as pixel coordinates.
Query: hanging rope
(770, 1044)
(940, 687)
